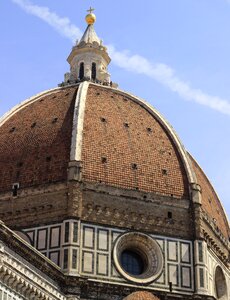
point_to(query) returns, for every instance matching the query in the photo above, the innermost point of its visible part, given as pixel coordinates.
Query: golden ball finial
(90, 18)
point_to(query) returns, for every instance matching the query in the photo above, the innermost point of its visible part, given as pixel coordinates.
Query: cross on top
(90, 10)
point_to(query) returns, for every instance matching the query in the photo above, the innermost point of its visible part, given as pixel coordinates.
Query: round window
(138, 257)
(132, 262)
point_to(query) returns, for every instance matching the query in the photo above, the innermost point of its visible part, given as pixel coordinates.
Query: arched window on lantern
(81, 71)
(94, 71)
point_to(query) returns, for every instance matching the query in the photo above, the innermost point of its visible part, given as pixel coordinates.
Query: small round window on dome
(138, 257)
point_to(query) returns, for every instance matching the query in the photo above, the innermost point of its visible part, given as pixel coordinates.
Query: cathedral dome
(123, 142)
(119, 140)
(98, 181)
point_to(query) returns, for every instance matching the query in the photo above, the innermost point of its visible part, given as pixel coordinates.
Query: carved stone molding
(20, 276)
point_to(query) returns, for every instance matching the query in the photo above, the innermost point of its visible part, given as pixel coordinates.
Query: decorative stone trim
(131, 217)
(24, 269)
(149, 251)
(216, 230)
(25, 282)
(213, 245)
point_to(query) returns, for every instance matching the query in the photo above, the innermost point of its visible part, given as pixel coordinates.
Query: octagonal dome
(119, 140)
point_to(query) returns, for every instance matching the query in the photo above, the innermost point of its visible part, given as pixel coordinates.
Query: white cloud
(133, 63)
(166, 76)
(62, 25)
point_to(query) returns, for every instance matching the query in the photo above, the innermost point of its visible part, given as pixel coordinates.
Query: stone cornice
(25, 279)
(215, 229)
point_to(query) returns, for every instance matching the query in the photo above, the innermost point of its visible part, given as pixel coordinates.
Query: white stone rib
(78, 120)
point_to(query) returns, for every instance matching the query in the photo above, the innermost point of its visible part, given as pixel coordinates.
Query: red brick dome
(123, 144)
(143, 295)
(137, 150)
(118, 139)
(35, 140)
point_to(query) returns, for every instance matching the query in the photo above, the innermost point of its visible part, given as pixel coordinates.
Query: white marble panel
(54, 236)
(185, 253)
(103, 240)
(186, 276)
(172, 251)
(88, 261)
(88, 235)
(42, 239)
(102, 264)
(173, 274)
(54, 256)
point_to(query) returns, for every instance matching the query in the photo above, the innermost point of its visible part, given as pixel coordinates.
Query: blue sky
(174, 54)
